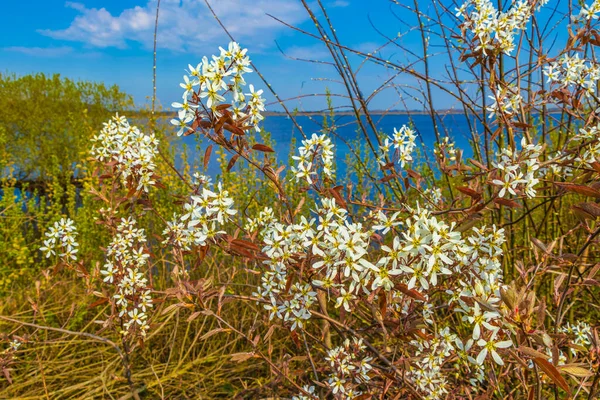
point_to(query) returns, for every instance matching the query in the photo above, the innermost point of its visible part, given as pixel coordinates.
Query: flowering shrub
(126, 258)
(449, 279)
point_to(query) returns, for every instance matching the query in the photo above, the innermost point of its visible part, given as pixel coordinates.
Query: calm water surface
(283, 132)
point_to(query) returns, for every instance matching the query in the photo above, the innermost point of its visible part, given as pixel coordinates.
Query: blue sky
(111, 41)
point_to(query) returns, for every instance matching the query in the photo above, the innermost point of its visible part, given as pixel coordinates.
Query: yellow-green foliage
(46, 123)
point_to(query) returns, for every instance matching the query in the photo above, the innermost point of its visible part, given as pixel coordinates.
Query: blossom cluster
(349, 368)
(212, 80)
(581, 331)
(476, 259)
(427, 374)
(494, 30)
(588, 142)
(199, 179)
(518, 170)
(574, 72)
(430, 250)
(403, 143)
(265, 217)
(318, 150)
(124, 270)
(281, 243)
(203, 214)
(434, 195)
(62, 238)
(413, 264)
(506, 102)
(132, 151)
(424, 252)
(583, 150)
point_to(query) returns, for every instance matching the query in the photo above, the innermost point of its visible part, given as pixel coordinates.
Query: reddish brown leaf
(207, 156)
(507, 202)
(382, 304)
(246, 244)
(338, 198)
(532, 352)
(388, 178)
(553, 373)
(6, 374)
(587, 210)
(232, 162)
(219, 125)
(540, 245)
(522, 125)
(262, 147)
(389, 165)
(241, 357)
(236, 248)
(193, 316)
(414, 175)
(469, 192)
(205, 124)
(496, 133)
(595, 185)
(222, 107)
(234, 129)
(478, 164)
(288, 283)
(596, 166)
(98, 302)
(591, 208)
(580, 189)
(410, 292)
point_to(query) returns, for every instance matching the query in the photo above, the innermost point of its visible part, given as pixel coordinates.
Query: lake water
(283, 131)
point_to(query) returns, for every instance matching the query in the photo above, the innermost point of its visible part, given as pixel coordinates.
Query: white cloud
(339, 3)
(183, 24)
(41, 51)
(314, 52)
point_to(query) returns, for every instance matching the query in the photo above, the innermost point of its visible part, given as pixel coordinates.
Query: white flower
(188, 85)
(490, 346)
(186, 109)
(61, 237)
(344, 300)
(384, 224)
(212, 94)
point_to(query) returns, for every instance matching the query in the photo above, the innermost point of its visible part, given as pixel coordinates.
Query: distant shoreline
(172, 114)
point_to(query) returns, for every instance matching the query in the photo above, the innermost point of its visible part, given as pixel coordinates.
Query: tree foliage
(46, 123)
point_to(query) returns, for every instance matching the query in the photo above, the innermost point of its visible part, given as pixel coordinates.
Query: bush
(448, 278)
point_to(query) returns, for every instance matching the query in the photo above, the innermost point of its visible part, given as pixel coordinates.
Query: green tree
(46, 123)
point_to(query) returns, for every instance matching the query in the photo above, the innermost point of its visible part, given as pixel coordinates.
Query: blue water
(282, 131)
